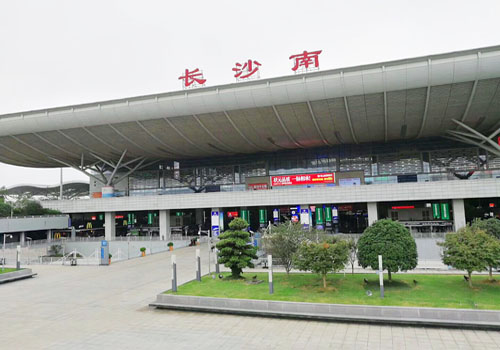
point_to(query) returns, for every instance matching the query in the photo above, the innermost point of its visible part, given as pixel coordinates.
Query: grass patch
(6, 270)
(447, 291)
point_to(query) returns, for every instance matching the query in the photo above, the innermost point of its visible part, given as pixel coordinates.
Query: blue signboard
(215, 224)
(104, 243)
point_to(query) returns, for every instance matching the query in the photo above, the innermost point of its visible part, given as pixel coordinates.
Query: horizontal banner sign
(303, 179)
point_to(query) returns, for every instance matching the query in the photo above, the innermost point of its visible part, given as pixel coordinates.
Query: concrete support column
(372, 212)
(199, 216)
(22, 238)
(165, 231)
(458, 213)
(109, 226)
(49, 235)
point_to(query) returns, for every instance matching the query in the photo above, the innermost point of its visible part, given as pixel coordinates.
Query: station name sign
(250, 69)
(302, 179)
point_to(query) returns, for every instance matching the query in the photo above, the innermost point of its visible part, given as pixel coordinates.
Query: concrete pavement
(89, 307)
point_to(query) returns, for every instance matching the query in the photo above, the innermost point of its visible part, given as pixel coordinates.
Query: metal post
(174, 274)
(209, 247)
(18, 257)
(61, 186)
(217, 268)
(198, 266)
(3, 261)
(381, 276)
(270, 265)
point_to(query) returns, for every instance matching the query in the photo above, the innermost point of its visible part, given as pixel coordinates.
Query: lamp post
(4, 237)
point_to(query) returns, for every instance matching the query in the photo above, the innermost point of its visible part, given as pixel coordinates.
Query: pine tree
(235, 250)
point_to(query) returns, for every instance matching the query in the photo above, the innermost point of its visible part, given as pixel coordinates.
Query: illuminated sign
(404, 207)
(302, 179)
(232, 214)
(94, 218)
(118, 216)
(492, 205)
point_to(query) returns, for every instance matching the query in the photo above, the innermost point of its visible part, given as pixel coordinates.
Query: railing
(34, 216)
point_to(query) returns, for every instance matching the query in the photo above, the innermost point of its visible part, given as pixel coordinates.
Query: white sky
(63, 52)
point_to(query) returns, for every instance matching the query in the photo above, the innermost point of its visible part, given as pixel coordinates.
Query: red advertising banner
(303, 179)
(262, 186)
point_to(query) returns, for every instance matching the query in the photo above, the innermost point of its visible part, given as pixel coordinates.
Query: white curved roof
(402, 99)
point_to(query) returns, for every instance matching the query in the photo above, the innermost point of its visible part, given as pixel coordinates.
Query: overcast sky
(63, 52)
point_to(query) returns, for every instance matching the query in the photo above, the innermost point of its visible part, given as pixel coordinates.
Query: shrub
(321, 258)
(469, 249)
(235, 251)
(283, 242)
(142, 249)
(391, 240)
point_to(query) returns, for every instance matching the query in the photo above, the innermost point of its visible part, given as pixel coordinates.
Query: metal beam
(285, 128)
(385, 104)
(473, 92)
(346, 105)
(471, 142)
(323, 138)
(101, 140)
(494, 144)
(76, 142)
(129, 140)
(54, 145)
(216, 139)
(233, 124)
(170, 148)
(183, 136)
(110, 179)
(427, 98)
(77, 168)
(36, 161)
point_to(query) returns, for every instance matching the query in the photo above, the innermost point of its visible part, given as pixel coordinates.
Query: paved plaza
(89, 307)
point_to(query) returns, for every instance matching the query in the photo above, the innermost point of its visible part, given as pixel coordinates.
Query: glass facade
(416, 161)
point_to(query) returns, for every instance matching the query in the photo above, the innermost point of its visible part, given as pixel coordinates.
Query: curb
(396, 315)
(16, 275)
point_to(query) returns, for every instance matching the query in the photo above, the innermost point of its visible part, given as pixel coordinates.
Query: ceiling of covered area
(404, 99)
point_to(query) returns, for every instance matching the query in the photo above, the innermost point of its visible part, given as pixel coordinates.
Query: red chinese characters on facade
(192, 77)
(246, 70)
(306, 60)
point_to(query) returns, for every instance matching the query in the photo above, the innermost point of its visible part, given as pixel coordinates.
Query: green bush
(470, 249)
(322, 258)
(235, 251)
(391, 240)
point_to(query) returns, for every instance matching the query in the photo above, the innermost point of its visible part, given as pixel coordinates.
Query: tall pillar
(22, 238)
(49, 235)
(458, 213)
(109, 226)
(198, 216)
(372, 212)
(165, 231)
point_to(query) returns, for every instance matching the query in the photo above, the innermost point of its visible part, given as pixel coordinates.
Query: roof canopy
(403, 99)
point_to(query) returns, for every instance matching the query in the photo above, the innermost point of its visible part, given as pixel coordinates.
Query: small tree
(391, 240)
(352, 244)
(283, 242)
(491, 227)
(321, 258)
(467, 249)
(235, 251)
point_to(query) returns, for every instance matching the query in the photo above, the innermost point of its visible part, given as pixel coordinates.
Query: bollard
(381, 276)
(270, 265)
(198, 266)
(217, 269)
(174, 274)
(18, 257)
